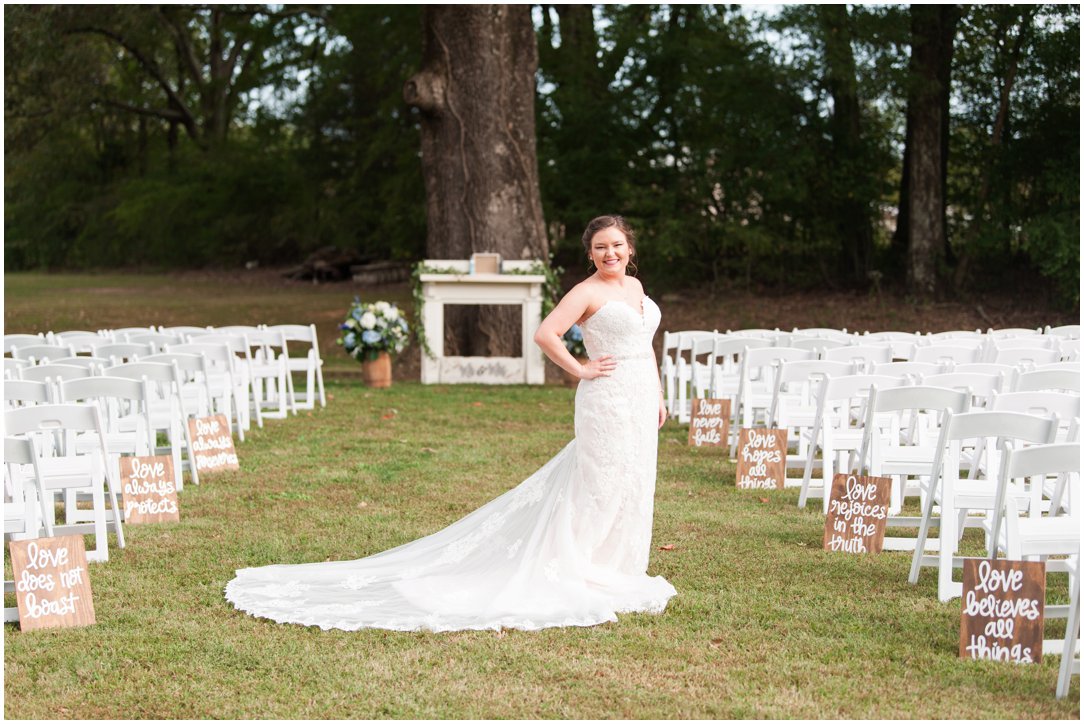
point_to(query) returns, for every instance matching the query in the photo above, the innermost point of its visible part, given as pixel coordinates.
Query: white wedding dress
(568, 546)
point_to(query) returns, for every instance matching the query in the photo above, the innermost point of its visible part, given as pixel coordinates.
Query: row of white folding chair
(180, 390)
(72, 470)
(1034, 537)
(949, 499)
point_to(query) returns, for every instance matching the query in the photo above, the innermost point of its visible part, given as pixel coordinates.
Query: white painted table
(462, 287)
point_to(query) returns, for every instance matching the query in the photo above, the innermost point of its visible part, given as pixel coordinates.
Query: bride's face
(610, 252)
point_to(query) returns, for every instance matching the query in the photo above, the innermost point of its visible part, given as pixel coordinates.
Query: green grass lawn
(765, 624)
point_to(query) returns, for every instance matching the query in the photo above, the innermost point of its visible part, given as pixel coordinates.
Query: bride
(569, 545)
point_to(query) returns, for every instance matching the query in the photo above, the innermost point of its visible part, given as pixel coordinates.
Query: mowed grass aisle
(765, 624)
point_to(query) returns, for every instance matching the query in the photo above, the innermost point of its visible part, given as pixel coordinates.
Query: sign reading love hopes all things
(762, 458)
(149, 489)
(52, 588)
(1002, 616)
(709, 425)
(857, 514)
(212, 444)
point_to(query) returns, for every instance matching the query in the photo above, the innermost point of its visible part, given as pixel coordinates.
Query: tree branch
(186, 52)
(163, 113)
(152, 68)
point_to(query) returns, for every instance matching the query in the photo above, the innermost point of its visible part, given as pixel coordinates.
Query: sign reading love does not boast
(710, 423)
(1002, 616)
(212, 444)
(149, 490)
(857, 514)
(52, 587)
(762, 458)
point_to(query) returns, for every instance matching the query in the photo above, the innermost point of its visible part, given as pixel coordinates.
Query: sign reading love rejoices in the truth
(149, 489)
(857, 514)
(762, 458)
(52, 588)
(709, 425)
(212, 444)
(1002, 617)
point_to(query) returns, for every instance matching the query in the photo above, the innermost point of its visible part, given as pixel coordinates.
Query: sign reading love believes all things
(1002, 610)
(52, 588)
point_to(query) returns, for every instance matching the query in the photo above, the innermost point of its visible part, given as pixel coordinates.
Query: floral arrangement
(573, 340)
(373, 328)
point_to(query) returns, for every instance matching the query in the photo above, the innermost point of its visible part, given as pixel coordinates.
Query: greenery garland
(551, 291)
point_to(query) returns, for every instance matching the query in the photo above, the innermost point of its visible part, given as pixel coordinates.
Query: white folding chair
(156, 340)
(902, 343)
(683, 372)
(54, 373)
(121, 352)
(25, 501)
(221, 378)
(94, 364)
(981, 386)
(42, 353)
(957, 497)
(1066, 331)
(863, 357)
(12, 367)
(78, 475)
(308, 362)
(914, 370)
(1039, 380)
(243, 391)
(191, 379)
(268, 371)
(167, 411)
(124, 405)
(756, 383)
(794, 406)
(82, 341)
(1011, 332)
(1038, 537)
(946, 355)
(20, 393)
(837, 429)
(907, 449)
(955, 334)
(1028, 357)
(11, 341)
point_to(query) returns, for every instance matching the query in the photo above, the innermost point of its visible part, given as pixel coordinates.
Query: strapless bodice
(621, 330)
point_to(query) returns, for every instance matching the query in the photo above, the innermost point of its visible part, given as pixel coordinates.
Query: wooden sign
(1002, 618)
(857, 514)
(710, 423)
(149, 489)
(762, 458)
(52, 587)
(212, 444)
(486, 263)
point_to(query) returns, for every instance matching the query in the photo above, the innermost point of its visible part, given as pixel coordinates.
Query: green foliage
(747, 146)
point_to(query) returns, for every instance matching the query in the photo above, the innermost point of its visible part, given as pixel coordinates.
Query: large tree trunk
(476, 92)
(851, 210)
(932, 30)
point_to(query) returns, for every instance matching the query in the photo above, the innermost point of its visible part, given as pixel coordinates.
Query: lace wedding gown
(567, 547)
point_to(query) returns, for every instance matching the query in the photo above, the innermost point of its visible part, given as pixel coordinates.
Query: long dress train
(568, 546)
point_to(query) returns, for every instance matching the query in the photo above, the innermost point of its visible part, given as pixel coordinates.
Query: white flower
(382, 307)
(391, 313)
(368, 320)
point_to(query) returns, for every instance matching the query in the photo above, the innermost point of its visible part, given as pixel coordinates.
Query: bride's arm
(548, 337)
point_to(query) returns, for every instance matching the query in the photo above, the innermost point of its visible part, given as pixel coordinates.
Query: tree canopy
(747, 147)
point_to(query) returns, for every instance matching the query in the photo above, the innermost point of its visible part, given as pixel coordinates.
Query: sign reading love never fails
(709, 425)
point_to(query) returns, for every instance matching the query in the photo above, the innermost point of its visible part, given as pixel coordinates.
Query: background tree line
(929, 147)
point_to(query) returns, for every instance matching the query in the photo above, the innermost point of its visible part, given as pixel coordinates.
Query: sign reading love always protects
(762, 458)
(709, 425)
(857, 514)
(149, 490)
(212, 444)
(1002, 610)
(52, 588)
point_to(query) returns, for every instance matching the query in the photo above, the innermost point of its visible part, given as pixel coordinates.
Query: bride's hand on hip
(601, 367)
